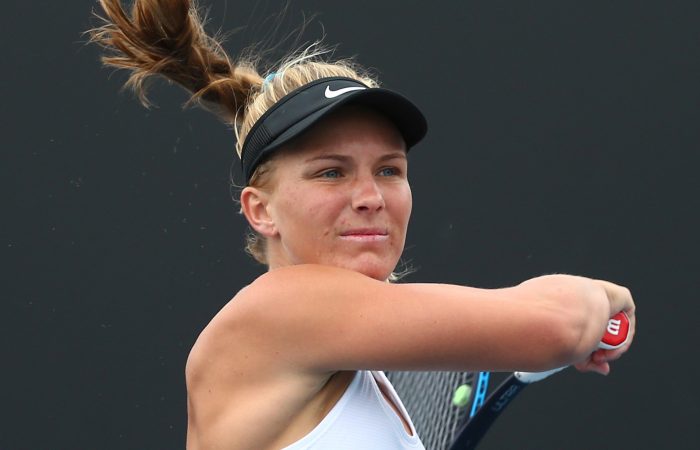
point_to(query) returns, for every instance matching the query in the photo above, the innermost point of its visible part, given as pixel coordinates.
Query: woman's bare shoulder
(259, 304)
(238, 359)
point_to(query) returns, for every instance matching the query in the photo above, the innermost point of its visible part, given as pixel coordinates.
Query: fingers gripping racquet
(474, 429)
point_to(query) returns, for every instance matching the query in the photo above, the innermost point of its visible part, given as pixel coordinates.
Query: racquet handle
(617, 332)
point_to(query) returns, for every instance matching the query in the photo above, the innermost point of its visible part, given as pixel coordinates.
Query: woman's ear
(254, 206)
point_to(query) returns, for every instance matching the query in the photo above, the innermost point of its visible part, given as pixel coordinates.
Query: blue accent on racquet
(482, 385)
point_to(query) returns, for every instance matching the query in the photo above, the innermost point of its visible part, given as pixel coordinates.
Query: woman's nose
(367, 195)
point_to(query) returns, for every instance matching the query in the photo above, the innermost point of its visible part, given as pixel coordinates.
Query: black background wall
(564, 138)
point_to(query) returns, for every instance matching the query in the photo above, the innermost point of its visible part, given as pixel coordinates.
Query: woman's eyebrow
(393, 155)
(331, 156)
(347, 158)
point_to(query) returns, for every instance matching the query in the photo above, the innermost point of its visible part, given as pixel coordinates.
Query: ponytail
(167, 38)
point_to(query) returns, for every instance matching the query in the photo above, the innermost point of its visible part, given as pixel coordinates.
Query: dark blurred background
(563, 138)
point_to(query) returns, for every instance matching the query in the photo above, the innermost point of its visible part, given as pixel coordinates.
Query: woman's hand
(620, 300)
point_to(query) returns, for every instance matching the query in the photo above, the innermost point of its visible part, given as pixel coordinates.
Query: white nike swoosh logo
(333, 94)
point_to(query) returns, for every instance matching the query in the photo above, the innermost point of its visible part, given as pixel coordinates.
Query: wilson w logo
(614, 326)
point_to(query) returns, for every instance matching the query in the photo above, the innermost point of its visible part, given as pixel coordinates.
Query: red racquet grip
(617, 332)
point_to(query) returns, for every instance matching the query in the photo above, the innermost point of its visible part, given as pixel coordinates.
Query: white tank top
(362, 419)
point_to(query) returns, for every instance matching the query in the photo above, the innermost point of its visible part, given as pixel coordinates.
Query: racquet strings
(427, 397)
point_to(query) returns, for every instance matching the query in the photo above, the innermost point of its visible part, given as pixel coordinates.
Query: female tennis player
(294, 360)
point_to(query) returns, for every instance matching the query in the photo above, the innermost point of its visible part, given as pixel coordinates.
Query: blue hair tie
(268, 79)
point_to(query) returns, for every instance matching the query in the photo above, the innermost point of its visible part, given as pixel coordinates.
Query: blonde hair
(167, 38)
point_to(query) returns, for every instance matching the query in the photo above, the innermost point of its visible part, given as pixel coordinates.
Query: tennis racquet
(469, 435)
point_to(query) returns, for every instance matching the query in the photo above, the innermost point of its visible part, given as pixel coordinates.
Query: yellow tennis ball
(461, 396)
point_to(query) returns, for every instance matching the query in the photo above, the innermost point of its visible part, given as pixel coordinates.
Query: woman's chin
(379, 270)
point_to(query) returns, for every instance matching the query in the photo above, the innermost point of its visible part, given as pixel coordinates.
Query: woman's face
(340, 196)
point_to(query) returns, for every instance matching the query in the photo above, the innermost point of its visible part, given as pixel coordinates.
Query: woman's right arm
(324, 319)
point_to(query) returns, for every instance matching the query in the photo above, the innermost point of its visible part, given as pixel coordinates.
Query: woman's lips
(365, 235)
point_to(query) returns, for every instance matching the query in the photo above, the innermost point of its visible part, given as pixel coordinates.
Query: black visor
(303, 107)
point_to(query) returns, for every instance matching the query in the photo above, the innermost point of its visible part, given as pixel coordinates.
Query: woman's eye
(332, 173)
(389, 171)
